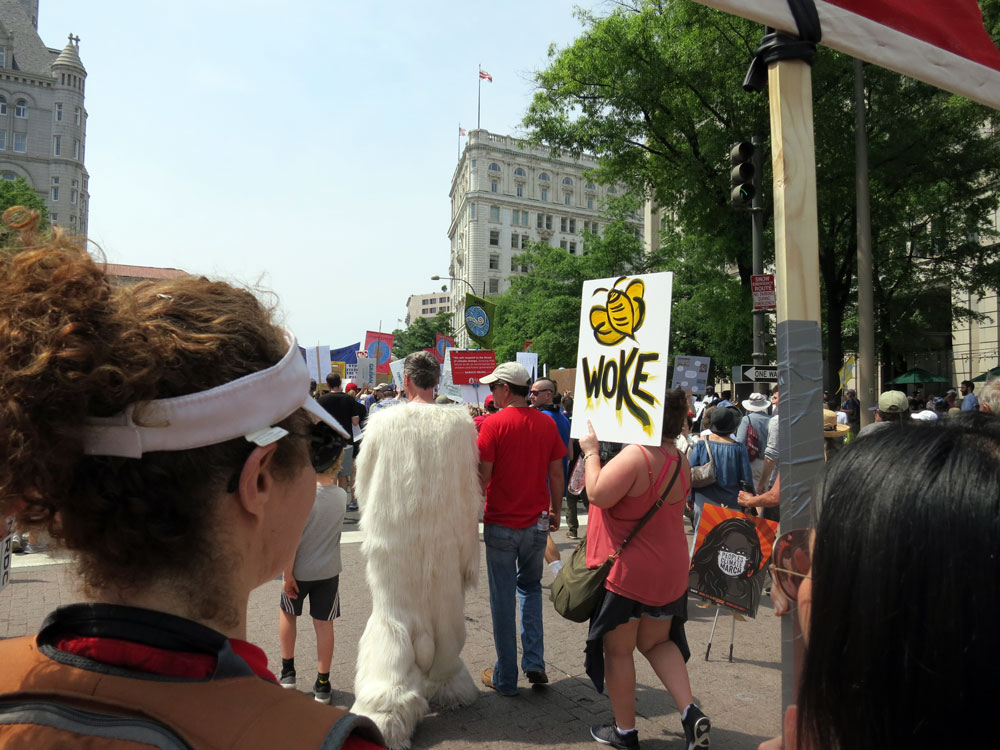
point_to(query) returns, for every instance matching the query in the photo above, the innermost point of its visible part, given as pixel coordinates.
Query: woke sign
(621, 374)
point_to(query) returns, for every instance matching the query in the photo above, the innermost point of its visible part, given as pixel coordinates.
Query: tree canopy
(653, 89)
(19, 193)
(420, 334)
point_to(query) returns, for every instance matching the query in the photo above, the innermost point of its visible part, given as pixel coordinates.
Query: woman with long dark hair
(898, 591)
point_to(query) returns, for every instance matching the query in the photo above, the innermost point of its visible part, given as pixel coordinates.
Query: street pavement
(742, 698)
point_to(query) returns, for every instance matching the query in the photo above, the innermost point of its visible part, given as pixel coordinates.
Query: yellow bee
(623, 313)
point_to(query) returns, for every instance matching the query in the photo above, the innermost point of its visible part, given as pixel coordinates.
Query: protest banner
(479, 320)
(691, 373)
(318, 362)
(468, 366)
(347, 354)
(441, 346)
(6, 548)
(621, 373)
(731, 553)
(529, 360)
(340, 368)
(396, 369)
(378, 346)
(365, 375)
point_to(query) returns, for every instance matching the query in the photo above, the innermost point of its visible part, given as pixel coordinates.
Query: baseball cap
(352, 386)
(893, 402)
(383, 388)
(508, 372)
(940, 404)
(488, 400)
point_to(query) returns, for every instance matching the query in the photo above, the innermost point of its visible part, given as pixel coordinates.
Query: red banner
(467, 367)
(441, 346)
(378, 346)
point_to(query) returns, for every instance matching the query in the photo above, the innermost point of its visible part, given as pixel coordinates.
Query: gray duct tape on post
(800, 419)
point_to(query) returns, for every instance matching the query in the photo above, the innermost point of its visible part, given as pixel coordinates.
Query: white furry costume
(418, 488)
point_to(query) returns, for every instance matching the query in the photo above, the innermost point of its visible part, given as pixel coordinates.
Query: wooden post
(800, 356)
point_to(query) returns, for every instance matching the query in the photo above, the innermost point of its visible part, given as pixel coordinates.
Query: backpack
(753, 441)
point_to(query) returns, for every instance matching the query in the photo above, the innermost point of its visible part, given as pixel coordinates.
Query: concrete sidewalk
(742, 698)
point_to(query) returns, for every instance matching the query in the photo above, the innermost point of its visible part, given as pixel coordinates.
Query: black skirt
(614, 610)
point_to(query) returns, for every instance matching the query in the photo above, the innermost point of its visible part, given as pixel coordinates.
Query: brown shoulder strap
(243, 712)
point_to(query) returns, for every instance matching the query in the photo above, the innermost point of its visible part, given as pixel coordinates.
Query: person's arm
(485, 472)
(741, 431)
(556, 487)
(288, 583)
(769, 499)
(607, 484)
(765, 474)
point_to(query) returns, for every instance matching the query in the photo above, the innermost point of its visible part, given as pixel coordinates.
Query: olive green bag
(577, 588)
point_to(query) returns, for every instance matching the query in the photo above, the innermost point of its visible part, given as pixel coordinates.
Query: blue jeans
(514, 559)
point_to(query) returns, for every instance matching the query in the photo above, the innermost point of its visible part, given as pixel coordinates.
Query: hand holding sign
(589, 442)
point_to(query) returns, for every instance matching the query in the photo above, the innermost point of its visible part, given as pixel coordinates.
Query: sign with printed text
(691, 373)
(317, 360)
(731, 553)
(366, 367)
(621, 373)
(762, 286)
(468, 366)
(757, 374)
(396, 368)
(6, 549)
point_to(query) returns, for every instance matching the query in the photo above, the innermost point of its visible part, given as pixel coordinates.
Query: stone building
(427, 305)
(43, 120)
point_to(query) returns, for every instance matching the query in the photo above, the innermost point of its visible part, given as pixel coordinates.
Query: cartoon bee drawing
(622, 314)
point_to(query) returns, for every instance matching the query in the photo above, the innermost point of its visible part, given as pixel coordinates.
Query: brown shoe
(488, 682)
(537, 677)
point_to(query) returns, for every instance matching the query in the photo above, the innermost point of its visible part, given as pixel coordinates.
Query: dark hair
(74, 345)
(423, 369)
(713, 580)
(893, 416)
(906, 589)
(334, 380)
(675, 410)
(518, 390)
(969, 383)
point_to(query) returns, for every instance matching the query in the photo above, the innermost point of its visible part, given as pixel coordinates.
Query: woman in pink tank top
(644, 604)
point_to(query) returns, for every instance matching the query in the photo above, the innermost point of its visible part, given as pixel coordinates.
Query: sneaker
(16, 544)
(537, 677)
(30, 548)
(608, 734)
(572, 535)
(322, 691)
(287, 679)
(352, 506)
(696, 728)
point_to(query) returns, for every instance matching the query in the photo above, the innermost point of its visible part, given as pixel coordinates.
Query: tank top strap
(668, 462)
(649, 466)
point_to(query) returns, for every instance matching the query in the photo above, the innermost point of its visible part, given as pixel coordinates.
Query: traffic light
(741, 177)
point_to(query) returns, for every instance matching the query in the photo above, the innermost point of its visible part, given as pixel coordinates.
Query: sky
(305, 148)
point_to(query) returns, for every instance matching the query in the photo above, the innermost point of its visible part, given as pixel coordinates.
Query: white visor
(246, 407)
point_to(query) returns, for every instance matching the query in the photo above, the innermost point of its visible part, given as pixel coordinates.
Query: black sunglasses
(325, 447)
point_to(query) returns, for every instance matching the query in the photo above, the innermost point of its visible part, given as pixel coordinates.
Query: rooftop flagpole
(479, 98)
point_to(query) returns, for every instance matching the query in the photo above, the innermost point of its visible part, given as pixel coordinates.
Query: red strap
(649, 466)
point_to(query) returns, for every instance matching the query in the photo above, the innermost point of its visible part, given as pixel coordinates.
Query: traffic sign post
(757, 373)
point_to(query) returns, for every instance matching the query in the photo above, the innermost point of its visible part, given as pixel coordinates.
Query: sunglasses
(540, 390)
(325, 447)
(791, 561)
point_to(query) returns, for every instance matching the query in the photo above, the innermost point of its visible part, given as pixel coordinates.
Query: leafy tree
(19, 193)
(420, 334)
(543, 306)
(653, 90)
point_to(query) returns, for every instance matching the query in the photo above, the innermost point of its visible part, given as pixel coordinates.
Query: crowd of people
(165, 433)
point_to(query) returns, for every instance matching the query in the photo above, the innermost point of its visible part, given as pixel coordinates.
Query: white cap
(246, 407)
(508, 372)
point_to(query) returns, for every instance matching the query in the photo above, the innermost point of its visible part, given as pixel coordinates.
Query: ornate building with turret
(43, 120)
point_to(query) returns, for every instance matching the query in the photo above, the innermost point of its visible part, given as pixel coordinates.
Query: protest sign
(318, 362)
(479, 320)
(454, 392)
(396, 368)
(468, 366)
(6, 543)
(441, 346)
(379, 348)
(366, 368)
(731, 552)
(621, 374)
(691, 373)
(340, 368)
(529, 360)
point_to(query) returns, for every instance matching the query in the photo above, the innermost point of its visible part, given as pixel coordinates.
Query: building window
(494, 262)
(21, 108)
(58, 112)
(77, 116)
(563, 244)
(494, 186)
(613, 190)
(473, 163)
(543, 177)
(524, 242)
(57, 145)
(72, 196)
(540, 221)
(3, 106)
(563, 223)
(572, 248)
(513, 241)
(545, 194)
(548, 221)
(76, 148)
(3, 57)
(590, 202)
(494, 167)
(442, 299)
(494, 286)
(495, 238)
(472, 211)
(586, 226)
(590, 186)
(52, 217)
(54, 193)
(513, 266)
(20, 143)
(72, 218)
(494, 213)
(572, 226)
(520, 190)
(568, 181)
(519, 172)
(3, 139)
(568, 199)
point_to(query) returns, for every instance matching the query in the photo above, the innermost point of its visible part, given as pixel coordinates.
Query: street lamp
(435, 277)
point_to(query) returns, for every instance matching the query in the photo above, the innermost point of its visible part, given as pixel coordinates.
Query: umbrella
(994, 373)
(917, 375)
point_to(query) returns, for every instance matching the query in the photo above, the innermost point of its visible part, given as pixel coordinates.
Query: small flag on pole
(461, 132)
(485, 76)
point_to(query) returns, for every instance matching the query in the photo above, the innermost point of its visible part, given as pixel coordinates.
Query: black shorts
(324, 599)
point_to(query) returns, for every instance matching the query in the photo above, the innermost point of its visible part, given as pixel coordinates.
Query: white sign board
(621, 371)
(351, 373)
(529, 360)
(6, 541)
(366, 372)
(396, 368)
(318, 362)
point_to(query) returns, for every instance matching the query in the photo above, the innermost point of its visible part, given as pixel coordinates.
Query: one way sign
(758, 374)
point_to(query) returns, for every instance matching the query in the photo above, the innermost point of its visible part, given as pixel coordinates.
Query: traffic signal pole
(757, 219)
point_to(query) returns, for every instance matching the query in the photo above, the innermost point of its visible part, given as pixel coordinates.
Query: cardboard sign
(621, 373)
(340, 368)
(762, 287)
(454, 392)
(731, 552)
(691, 373)
(365, 372)
(468, 366)
(6, 542)
(318, 362)
(529, 360)
(396, 368)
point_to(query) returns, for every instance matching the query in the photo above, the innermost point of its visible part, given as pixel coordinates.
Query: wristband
(588, 455)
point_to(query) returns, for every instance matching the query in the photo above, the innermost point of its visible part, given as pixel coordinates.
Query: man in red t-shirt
(520, 466)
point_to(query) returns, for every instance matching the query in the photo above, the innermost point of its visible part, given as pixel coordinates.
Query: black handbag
(577, 588)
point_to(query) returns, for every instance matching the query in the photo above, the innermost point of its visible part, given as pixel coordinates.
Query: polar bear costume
(418, 487)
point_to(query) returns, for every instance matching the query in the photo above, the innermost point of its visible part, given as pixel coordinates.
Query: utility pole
(866, 304)
(757, 218)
